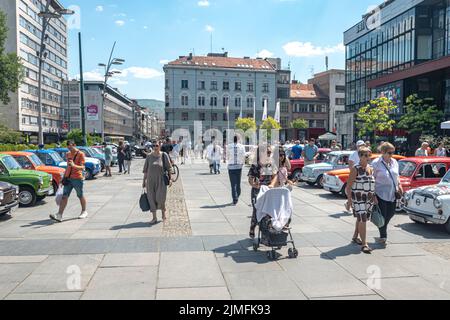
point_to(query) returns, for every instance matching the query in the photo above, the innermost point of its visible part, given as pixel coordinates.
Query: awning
(445, 125)
(328, 136)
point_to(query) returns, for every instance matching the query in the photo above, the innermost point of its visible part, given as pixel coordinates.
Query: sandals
(366, 250)
(252, 234)
(357, 241)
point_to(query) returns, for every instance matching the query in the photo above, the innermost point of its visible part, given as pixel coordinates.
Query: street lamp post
(46, 16)
(108, 74)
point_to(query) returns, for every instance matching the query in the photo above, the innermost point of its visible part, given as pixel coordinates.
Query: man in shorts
(74, 180)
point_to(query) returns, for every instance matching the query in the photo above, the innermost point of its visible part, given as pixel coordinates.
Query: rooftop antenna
(326, 63)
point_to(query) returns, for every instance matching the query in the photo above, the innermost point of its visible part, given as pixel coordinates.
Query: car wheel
(27, 197)
(312, 184)
(89, 175)
(297, 174)
(320, 181)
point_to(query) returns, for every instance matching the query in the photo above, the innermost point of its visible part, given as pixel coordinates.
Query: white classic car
(430, 204)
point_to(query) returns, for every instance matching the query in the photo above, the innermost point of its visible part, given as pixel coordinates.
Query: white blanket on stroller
(276, 203)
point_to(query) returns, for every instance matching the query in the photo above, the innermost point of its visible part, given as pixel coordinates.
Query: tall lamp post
(108, 74)
(46, 16)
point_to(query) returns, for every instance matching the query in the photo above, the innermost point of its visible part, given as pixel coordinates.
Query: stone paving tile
(6, 288)
(69, 296)
(411, 288)
(265, 285)
(206, 229)
(122, 283)
(22, 259)
(194, 294)
(16, 272)
(130, 260)
(132, 245)
(181, 244)
(181, 270)
(255, 263)
(347, 298)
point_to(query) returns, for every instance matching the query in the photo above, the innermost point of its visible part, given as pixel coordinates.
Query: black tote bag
(143, 202)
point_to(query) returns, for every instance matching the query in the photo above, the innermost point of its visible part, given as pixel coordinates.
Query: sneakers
(56, 217)
(83, 215)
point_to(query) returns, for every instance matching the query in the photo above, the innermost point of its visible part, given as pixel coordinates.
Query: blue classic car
(91, 153)
(93, 166)
(50, 158)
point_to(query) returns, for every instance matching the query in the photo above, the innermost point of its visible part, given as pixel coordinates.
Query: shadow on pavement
(5, 217)
(219, 206)
(240, 253)
(330, 196)
(348, 250)
(135, 225)
(46, 223)
(427, 231)
(340, 215)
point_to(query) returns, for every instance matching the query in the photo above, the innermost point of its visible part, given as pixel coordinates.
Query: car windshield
(407, 168)
(11, 163)
(97, 151)
(35, 159)
(331, 158)
(88, 152)
(446, 178)
(56, 157)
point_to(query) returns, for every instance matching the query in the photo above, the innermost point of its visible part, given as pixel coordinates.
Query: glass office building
(401, 48)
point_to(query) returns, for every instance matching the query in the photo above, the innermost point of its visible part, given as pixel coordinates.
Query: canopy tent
(328, 136)
(445, 125)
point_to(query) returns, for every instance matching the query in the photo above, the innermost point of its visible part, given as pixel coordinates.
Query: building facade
(308, 102)
(199, 89)
(24, 36)
(118, 115)
(401, 48)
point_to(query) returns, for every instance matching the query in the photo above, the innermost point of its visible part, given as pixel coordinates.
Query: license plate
(419, 219)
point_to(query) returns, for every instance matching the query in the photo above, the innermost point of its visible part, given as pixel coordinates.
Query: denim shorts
(74, 184)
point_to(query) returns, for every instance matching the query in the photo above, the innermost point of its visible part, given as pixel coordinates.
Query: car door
(429, 174)
(24, 162)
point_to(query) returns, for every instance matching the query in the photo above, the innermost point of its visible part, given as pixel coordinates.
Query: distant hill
(154, 105)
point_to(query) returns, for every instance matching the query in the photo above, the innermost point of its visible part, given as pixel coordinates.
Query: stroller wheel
(272, 255)
(293, 253)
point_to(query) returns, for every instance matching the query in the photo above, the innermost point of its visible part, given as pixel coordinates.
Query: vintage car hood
(51, 170)
(433, 191)
(27, 173)
(339, 172)
(92, 160)
(321, 166)
(5, 186)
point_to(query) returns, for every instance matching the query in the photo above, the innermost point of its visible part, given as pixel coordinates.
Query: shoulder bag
(166, 176)
(143, 202)
(377, 218)
(398, 194)
(66, 179)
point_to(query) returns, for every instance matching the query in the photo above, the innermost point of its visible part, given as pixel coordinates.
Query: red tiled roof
(223, 62)
(306, 91)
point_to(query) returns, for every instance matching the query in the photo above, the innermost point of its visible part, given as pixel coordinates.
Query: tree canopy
(246, 124)
(376, 116)
(300, 124)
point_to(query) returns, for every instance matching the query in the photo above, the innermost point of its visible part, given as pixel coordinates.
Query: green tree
(76, 135)
(300, 124)
(375, 116)
(9, 136)
(245, 124)
(270, 124)
(422, 116)
(11, 71)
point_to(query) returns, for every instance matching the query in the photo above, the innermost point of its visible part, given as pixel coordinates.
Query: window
(340, 89)
(225, 118)
(184, 100)
(226, 101)
(265, 100)
(250, 87)
(285, 107)
(214, 116)
(226, 86)
(201, 101)
(320, 123)
(185, 116)
(250, 102)
(340, 101)
(202, 116)
(237, 102)
(213, 102)
(213, 85)
(167, 84)
(184, 84)
(201, 85)
(266, 87)
(237, 86)
(312, 108)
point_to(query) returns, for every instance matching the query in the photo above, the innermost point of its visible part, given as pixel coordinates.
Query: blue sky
(151, 32)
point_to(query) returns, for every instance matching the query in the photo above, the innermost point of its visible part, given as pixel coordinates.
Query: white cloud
(120, 23)
(93, 75)
(164, 61)
(99, 8)
(265, 54)
(145, 27)
(209, 28)
(203, 3)
(307, 49)
(142, 72)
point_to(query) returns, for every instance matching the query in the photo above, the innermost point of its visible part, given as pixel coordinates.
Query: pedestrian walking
(236, 160)
(281, 179)
(310, 152)
(423, 150)
(107, 149)
(121, 156)
(208, 154)
(261, 174)
(73, 179)
(216, 157)
(361, 197)
(157, 179)
(297, 151)
(354, 157)
(387, 186)
(440, 151)
(128, 158)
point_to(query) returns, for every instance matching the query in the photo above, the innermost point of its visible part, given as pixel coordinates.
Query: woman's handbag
(377, 218)
(398, 194)
(143, 202)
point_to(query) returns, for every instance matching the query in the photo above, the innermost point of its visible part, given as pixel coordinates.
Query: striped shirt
(235, 156)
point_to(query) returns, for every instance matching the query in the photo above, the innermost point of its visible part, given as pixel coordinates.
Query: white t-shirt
(355, 158)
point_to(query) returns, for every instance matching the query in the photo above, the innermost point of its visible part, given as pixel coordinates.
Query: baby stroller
(274, 212)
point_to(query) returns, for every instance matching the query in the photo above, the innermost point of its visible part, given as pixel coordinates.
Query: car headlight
(407, 196)
(41, 180)
(2, 195)
(437, 203)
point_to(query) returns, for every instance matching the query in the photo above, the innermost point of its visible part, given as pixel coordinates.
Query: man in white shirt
(236, 160)
(354, 158)
(209, 152)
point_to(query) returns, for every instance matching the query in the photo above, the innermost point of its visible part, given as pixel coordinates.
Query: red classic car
(422, 171)
(297, 165)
